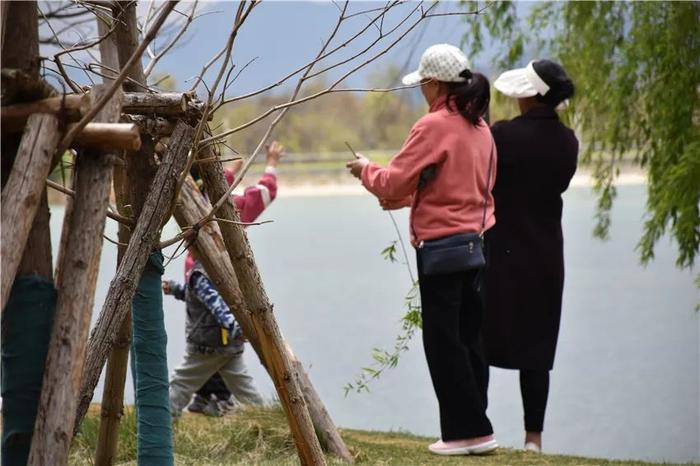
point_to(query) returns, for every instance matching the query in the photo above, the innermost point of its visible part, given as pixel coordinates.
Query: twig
(177, 37)
(215, 159)
(322, 92)
(111, 213)
(241, 16)
(363, 51)
(113, 241)
(251, 159)
(317, 59)
(245, 224)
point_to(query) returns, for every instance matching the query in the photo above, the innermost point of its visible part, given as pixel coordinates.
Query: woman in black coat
(537, 157)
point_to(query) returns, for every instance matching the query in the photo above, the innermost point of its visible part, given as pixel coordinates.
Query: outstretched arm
(204, 290)
(175, 289)
(256, 198)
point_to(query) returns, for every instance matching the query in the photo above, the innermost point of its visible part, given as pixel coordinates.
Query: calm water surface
(625, 381)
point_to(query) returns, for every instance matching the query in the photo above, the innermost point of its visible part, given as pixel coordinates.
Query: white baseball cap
(521, 82)
(442, 62)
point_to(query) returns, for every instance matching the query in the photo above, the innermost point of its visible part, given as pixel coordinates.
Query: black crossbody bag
(456, 253)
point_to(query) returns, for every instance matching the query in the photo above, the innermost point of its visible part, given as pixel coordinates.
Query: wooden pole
(118, 361)
(144, 238)
(257, 301)
(109, 136)
(263, 334)
(76, 293)
(20, 50)
(22, 195)
(73, 106)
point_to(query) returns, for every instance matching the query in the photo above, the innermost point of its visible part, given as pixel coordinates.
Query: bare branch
(181, 32)
(241, 16)
(110, 213)
(317, 59)
(279, 117)
(381, 36)
(65, 143)
(328, 90)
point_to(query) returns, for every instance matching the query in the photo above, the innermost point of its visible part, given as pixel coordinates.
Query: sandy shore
(353, 188)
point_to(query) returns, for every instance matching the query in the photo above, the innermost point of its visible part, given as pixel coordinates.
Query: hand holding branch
(357, 165)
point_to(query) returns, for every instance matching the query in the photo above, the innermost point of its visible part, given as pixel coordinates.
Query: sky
(281, 36)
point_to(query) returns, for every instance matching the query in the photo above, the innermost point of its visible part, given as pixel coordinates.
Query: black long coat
(524, 282)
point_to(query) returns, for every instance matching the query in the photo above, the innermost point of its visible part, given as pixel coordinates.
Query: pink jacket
(452, 202)
(250, 205)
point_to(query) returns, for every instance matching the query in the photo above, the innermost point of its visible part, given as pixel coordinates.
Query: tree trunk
(144, 238)
(263, 334)
(114, 52)
(76, 293)
(20, 50)
(258, 303)
(115, 375)
(24, 191)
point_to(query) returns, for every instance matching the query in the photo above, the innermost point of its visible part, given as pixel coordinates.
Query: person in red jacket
(214, 397)
(254, 199)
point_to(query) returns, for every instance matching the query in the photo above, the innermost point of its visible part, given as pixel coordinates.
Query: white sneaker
(532, 446)
(454, 448)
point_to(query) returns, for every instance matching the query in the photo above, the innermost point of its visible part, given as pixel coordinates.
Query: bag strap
(486, 192)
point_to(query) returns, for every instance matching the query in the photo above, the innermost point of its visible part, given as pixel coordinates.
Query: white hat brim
(515, 83)
(412, 79)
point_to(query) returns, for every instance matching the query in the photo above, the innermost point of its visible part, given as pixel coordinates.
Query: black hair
(471, 97)
(560, 85)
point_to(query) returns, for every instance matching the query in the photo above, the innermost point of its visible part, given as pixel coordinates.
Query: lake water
(625, 381)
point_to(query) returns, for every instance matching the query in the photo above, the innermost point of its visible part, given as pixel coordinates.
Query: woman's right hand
(394, 204)
(357, 165)
(166, 287)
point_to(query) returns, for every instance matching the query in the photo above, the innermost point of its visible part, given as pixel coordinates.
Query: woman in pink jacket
(444, 172)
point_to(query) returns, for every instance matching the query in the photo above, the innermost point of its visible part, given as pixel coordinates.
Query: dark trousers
(452, 312)
(214, 386)
(534, 388)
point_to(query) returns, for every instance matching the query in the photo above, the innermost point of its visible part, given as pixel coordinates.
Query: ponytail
(470, 98)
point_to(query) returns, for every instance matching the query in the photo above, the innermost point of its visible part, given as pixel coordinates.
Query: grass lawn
(257, 436)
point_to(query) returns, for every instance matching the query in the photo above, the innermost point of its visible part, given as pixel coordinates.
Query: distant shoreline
(344, 185)
(584, 179)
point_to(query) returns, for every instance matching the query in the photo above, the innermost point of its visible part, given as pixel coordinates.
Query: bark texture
(23, 194)
(143, 239)
(76, 293)
(263, 334)
(259, 305)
